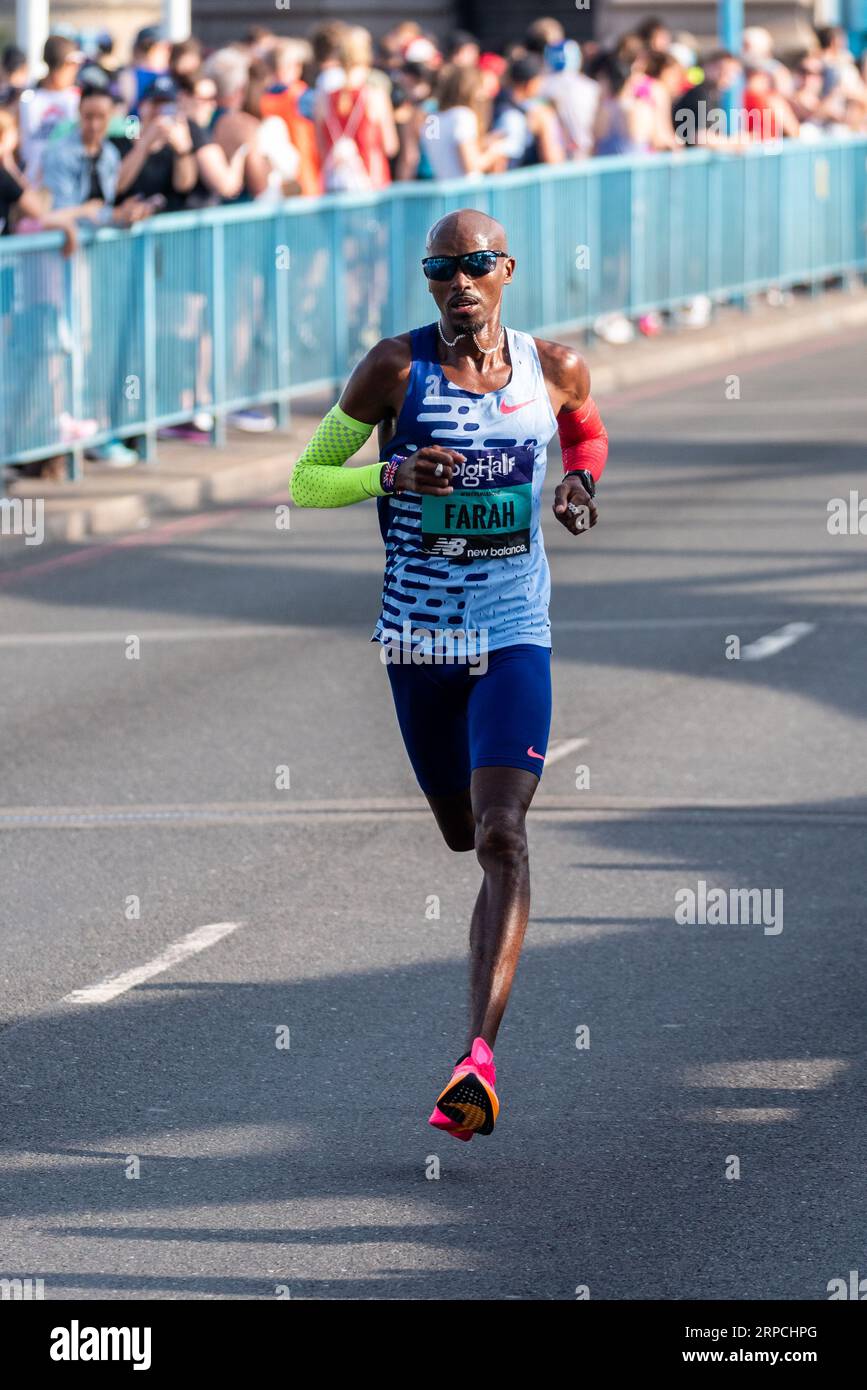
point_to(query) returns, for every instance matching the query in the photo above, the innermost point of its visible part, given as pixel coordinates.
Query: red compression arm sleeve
(583, 439)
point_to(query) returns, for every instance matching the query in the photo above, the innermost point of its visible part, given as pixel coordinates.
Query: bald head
(466, 230)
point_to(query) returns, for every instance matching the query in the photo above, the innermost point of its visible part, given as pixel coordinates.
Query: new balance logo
(444, 545)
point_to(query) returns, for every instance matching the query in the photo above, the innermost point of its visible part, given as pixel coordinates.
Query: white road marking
(562, 747)
(164, 634)
(625, 624)
(189, 945)
(775, 642)
(377, 810)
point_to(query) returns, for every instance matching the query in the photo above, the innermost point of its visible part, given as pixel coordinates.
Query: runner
(465, 408)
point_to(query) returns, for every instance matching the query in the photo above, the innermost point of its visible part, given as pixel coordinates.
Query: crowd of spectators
(90, 140)
(270, 117)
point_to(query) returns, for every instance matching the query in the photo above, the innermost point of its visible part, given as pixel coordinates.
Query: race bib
(489, 514)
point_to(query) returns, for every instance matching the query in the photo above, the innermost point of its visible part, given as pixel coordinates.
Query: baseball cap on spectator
(163, 88)
(685, 55)
(59, 51)
(458, 39)
(493, 62)
(421, 50)
(13, 58)
(525, 69)
(93, 78)
(148, 37)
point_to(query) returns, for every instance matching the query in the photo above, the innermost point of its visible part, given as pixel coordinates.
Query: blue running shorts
(453, 721)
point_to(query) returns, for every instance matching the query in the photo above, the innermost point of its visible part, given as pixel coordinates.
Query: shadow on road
(607, 1168)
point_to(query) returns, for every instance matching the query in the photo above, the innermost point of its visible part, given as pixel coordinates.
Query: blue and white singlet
(473, 561)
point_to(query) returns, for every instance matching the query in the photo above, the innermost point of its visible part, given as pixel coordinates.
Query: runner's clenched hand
(571, 492)
(418, 473)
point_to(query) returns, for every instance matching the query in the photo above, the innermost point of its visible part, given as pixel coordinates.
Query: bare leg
(454, 816)
(500, 798)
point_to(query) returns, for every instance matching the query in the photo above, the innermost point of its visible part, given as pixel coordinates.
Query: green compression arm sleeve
(319, 478)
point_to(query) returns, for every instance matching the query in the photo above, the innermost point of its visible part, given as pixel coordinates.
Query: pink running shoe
(469, 1103)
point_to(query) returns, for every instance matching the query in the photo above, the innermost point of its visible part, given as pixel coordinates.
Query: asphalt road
(307, 1169)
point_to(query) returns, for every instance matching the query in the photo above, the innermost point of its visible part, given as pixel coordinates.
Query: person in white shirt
(575, 98)
(573, 95)
(453, 136)
(52, 102)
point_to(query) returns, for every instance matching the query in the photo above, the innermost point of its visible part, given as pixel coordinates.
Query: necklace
(488, 351)
(445, 339)
(485, 351)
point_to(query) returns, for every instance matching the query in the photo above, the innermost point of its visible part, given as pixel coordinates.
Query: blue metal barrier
(231, 307)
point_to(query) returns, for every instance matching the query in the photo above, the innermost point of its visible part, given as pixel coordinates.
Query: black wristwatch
(588, 482)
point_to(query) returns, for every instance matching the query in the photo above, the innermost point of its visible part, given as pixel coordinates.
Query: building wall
(218, 21)
(508, 20)
(790, 21)
(122, 18)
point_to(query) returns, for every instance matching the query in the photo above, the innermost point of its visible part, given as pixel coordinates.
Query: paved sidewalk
(189, 477)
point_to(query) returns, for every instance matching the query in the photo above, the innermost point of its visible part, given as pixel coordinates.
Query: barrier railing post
(636, 213)
(594, 241)
(397, 253)
(545, 213)
(76, 367)
(218, 329)
(282, 309)
(338, 292)
(147, 245)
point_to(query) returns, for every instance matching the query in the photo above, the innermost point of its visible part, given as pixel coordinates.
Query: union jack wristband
(389, 472)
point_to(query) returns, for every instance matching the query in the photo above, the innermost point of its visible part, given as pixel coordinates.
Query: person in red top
(355, 123)
(283, 97)
(768, 115)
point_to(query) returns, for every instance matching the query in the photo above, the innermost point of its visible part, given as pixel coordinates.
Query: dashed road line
(774, 642)
(198, 940)
(562, 747)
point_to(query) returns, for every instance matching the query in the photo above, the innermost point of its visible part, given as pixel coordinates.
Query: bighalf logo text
(730, 907)
(77, 1343)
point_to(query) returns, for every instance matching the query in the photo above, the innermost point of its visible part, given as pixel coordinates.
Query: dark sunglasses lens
(440, 267)
(480, 263)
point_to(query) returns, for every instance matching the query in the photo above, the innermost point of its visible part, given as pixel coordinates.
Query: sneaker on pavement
(115, 453)
(253, 421)
(469, 1104)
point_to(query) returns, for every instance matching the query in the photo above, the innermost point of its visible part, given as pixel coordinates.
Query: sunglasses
(474, 263)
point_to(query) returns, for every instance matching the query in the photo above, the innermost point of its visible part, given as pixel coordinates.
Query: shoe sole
(470, 1104)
